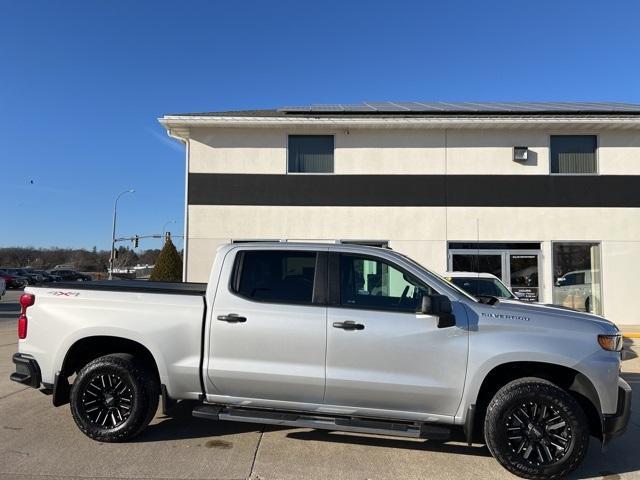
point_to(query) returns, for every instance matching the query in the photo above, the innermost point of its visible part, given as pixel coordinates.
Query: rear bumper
(616, 424)
(27, 370)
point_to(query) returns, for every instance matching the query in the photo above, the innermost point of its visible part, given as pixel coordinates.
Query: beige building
(545, 196)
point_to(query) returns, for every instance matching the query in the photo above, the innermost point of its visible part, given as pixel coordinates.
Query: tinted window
(276, 276)
(310, 153)
(573, 154)
(374, 284)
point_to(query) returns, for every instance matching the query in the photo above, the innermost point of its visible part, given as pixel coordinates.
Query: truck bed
(141, 286)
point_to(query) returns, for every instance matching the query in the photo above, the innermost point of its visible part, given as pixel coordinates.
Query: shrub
(168, 267)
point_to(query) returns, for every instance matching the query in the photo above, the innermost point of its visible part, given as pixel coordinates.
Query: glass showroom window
(576, 276)
(574, 154)
(310, 154)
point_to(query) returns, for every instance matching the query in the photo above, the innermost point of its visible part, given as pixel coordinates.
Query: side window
(374, 284)
(275, 276)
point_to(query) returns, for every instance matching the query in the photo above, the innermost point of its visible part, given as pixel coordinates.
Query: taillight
(22, 326)
(26, 300)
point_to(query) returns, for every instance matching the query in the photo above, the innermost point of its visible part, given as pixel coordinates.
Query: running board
(323, 422)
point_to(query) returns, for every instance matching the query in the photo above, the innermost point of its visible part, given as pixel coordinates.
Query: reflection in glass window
(576, 276)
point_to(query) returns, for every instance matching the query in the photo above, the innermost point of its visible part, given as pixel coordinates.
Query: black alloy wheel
(114, 397)
(536, 430)
(107, 400)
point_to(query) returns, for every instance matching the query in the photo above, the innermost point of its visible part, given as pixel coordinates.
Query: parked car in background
(12, 281)
(574, 290)
(46, 276)
(481, 284)
(3, 287)
(71, 275)
(32, 278)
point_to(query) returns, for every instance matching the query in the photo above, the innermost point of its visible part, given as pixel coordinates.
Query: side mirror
(440, 306)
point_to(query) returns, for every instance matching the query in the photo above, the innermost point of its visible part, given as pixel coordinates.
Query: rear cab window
(275, 276)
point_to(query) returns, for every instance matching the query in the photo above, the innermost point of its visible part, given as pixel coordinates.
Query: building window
(574, 154)
(310, 154)
(576, 276)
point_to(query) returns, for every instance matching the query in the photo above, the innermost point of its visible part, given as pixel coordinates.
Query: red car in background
(13, 281)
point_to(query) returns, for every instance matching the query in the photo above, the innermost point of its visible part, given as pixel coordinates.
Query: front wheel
(113, 398)
(536, 430)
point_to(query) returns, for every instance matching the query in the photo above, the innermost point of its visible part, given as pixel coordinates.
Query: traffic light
(136, 241)
(167, 237)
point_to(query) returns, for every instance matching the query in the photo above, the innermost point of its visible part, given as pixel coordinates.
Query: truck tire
(536, 430)
(114, 398)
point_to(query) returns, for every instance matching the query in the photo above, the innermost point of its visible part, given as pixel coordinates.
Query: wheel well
(574, 382)
(87, 349)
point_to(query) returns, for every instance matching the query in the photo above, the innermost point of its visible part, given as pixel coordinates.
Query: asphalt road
(38, 441)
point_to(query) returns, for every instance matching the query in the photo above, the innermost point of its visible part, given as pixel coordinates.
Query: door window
(524, 276)
(370, 283)
(275, 276)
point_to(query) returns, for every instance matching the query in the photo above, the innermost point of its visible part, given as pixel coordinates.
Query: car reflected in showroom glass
(576, 276)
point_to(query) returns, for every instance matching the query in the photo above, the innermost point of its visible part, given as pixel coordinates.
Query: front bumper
(616, 424)
(27, 370)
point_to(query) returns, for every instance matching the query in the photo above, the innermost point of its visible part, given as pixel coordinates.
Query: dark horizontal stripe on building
(415, 190)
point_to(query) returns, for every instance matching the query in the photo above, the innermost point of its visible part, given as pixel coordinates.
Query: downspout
(183, 137)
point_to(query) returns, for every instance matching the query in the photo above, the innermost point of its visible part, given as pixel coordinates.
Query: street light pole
(113, 234)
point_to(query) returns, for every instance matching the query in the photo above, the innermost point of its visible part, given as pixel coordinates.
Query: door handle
(232, 318)
(348, 325)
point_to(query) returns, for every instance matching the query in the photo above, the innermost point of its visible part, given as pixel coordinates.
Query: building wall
(411, 151)
(421, 232)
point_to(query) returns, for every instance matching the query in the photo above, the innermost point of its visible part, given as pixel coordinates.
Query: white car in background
(480, 284)
(576, 290)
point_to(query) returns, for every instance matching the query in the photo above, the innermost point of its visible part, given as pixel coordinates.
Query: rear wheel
(536, 430)
(114, 397)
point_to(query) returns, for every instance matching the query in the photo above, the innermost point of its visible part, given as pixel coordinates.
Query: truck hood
(537, 310)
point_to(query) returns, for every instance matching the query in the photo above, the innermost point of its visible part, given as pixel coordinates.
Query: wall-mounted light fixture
(520, 154)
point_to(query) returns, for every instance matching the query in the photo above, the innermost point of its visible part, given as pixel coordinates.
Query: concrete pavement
(38, 441)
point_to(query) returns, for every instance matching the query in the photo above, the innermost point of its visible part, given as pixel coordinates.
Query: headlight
(611, 342)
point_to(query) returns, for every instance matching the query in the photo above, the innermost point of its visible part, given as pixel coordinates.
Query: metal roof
(431, 109)
(465, 107)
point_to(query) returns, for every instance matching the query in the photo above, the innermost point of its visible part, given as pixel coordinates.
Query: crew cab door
(381, 354)
(268, 326)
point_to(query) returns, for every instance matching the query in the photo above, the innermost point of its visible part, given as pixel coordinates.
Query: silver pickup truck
(329, 336)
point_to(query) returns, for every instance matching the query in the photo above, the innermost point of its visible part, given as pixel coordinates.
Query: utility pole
(113, 234)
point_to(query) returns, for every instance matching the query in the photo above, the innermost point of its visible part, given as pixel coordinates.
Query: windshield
(483, 286)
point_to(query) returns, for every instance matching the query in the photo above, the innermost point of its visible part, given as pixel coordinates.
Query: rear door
(383, 355)
(268, 326)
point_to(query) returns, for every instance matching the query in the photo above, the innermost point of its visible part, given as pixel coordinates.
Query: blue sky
(83, 82)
